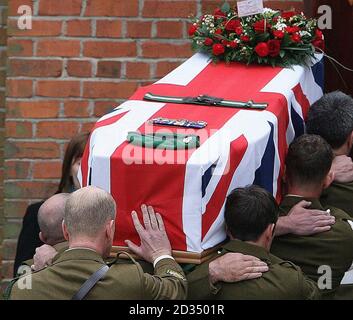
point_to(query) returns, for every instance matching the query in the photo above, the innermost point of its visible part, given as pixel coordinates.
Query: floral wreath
(273, 37)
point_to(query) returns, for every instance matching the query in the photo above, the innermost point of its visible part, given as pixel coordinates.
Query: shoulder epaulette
(288, 264)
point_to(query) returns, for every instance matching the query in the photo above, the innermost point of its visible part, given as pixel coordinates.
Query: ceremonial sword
(206, 101)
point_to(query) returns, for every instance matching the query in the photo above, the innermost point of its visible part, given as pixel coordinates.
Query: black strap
(90, 283)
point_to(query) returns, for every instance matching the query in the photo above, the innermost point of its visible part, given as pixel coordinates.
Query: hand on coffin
(154, 239)
(304, 222)
(234, 267)
(342, 166)
(43, 257)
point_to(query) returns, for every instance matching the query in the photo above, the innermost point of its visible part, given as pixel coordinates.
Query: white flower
(304, 33)
(280, 26)
(269, 10)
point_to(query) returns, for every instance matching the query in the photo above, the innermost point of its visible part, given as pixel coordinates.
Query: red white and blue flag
(238, 147)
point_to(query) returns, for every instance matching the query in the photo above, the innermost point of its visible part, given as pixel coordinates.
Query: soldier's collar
(290, 201)
(79, 254)
(61, 246)
(247, 248)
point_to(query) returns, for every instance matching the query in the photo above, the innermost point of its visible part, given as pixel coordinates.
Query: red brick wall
(81, 58)
(3, 20)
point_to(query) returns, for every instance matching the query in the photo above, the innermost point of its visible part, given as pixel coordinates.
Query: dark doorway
(339, 42)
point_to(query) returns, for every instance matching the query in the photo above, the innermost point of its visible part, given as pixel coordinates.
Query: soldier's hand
(234, 267)
(304, 222)
(342, 166)
(43, 257)
(154, 239)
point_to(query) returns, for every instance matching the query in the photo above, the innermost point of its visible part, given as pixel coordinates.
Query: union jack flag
(239, 147)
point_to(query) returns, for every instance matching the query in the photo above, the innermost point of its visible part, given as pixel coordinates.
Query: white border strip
(186, 72)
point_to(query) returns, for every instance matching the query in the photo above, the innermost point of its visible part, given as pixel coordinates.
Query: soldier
(80, 271)
(50, 217)
(251, 214)
(331, 117)
(308, 173)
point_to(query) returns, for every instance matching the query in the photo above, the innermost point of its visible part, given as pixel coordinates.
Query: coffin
(238, 147)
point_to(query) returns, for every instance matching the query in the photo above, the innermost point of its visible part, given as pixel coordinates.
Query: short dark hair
(309, 160)
(331, 117)
(249, 211)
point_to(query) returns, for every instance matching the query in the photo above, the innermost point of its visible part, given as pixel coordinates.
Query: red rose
(287, 15)
(218, 31)
(296, 37)
(208, 42)
(192, 30)
(233, 44)
(239, 31)
(292, 29)
(231, 25)
(218, 49)
(278, 34)
(319, 44)
(245, 38)
(274, 47)
(262, 49)
(318, 34)
(225, 42)
(260, 26)
(219, 13)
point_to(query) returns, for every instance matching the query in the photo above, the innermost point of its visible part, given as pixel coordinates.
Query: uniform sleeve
(168, 282)
(200, 286)
(310, 290)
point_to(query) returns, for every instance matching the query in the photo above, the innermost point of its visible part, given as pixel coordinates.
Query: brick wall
(3, 22)
(81, 58)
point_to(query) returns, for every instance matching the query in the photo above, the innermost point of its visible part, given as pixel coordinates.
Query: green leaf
(296, 48)
(282, 53)
(203, 29)
(262, 37)
(286, 40)
(225, 7)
